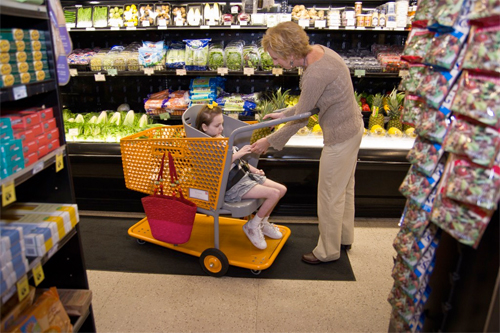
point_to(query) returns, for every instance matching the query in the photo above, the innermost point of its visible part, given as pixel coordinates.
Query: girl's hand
(260, 172)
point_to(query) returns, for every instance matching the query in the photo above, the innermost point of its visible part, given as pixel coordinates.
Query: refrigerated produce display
(231, 52)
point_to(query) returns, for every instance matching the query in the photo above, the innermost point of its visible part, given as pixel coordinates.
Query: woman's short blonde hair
(287, 39)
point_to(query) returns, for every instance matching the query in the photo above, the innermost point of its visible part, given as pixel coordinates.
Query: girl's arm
(242, 152)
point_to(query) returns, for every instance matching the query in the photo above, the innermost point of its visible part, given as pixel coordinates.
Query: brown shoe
(345, 247)
(311, 259)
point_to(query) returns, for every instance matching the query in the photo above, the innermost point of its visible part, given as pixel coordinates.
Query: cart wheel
(140, 241)
(214, 262)
(255, 271)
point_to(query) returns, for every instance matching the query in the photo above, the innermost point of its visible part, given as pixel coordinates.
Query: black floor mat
(107, 246)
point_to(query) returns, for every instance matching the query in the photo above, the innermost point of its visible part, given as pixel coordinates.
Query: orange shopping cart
(203, 164)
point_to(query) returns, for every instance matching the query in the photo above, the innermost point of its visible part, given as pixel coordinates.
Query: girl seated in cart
(245, 181)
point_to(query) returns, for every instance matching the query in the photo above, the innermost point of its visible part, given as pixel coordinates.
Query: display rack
(64, 264)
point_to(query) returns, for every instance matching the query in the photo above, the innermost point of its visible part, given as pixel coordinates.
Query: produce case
(98, 176)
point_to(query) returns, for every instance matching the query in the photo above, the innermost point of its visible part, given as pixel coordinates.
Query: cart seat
(236, 209)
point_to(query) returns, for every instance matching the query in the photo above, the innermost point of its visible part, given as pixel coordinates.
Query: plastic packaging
(197, 54)
(425, 155)
(216, 56)
(234, 56)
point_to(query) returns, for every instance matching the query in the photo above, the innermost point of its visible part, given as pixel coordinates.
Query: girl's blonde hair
(206, 116)
(287, 39)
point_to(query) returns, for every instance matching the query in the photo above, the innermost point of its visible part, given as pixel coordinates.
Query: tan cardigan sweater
(326, 84)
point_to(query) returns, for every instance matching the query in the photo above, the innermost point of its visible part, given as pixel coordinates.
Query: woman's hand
(260, 146)
(277, 115)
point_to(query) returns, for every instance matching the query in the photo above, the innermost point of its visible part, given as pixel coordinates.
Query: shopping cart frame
(235, 249)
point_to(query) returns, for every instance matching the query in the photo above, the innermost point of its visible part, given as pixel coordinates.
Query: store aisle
(127, 302)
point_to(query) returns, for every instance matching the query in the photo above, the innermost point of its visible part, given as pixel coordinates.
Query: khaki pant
(336, 197)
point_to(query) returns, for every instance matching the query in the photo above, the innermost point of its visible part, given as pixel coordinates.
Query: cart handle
(271, 123)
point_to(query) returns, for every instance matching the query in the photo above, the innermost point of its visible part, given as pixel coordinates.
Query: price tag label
(277, 71)
(179, 23)
(149, 71)
(334, 27)
(248, 71)
(8, 194)
(19, 92)
(222, 71)
(23, 288)
(320, 24)
(360, 28)
(73, 131)
(164, 116)
(99, 77)
(114, 28)
(59, 162)
(38, 274)
(90, 29)
(243, 22)
(404, 73)
(181, 72)
(359, 72)
(52, 251)
(70, 25)
(112, 72)
(162, 27)
(236, 27)
(145, 23)
(304, 23)
(73, 72)
(37, 167)
(204, 27)
(131, 28)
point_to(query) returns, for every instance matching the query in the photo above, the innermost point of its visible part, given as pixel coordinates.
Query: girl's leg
(270, 195)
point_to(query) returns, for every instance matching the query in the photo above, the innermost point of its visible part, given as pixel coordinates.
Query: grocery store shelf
(232, 27)
(35, 261)
(15, 8)
(79, 322)
(26, 173)
(173, 72)
(20, 91)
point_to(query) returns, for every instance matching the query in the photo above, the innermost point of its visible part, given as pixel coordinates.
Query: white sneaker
(271, 231)
(255, 235)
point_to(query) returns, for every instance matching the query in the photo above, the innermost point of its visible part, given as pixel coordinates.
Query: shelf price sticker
(248, 71)
(222, 71)
(359, 72)
(112, 72)
(37, 167)
(8, 194)
(59, 161)
(204, 27)
(304, 23)
(235, 26)
(73, 72)
(19, 92)
(277, 71)
(38, 274)
(149, 71)
(320, 24)
(23, 288)
(181, 72)
(99, 77)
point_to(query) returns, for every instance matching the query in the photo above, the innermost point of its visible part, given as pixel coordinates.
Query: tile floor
(127, 302)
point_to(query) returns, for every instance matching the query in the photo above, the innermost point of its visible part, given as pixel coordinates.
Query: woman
(326, 84)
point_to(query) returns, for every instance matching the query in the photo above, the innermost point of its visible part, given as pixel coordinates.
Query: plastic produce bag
(197, 54)
(478, 143)
(478, 97)
(176, 55)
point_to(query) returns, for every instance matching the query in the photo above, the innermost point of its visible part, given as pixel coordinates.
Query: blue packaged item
(197, 54)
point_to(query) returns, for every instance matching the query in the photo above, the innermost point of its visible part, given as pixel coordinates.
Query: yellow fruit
(303, 131)
(378, 130)
(410, 132)
(393, 131)
(365, 132)
(317, 130)
(279, 126)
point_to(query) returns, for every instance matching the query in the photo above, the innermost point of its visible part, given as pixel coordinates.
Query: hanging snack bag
(417, 187)
(483, 51)
(445, 48)
(466, 223)
(417, 46)
(410, 82)
(413, 107)
(484, 12)
(478, 97)
(197, 54)
(478, 143)
(446, 15)
(472, 184)
(425, 155)
(411, 247)
(414, 218)
(424, 14)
